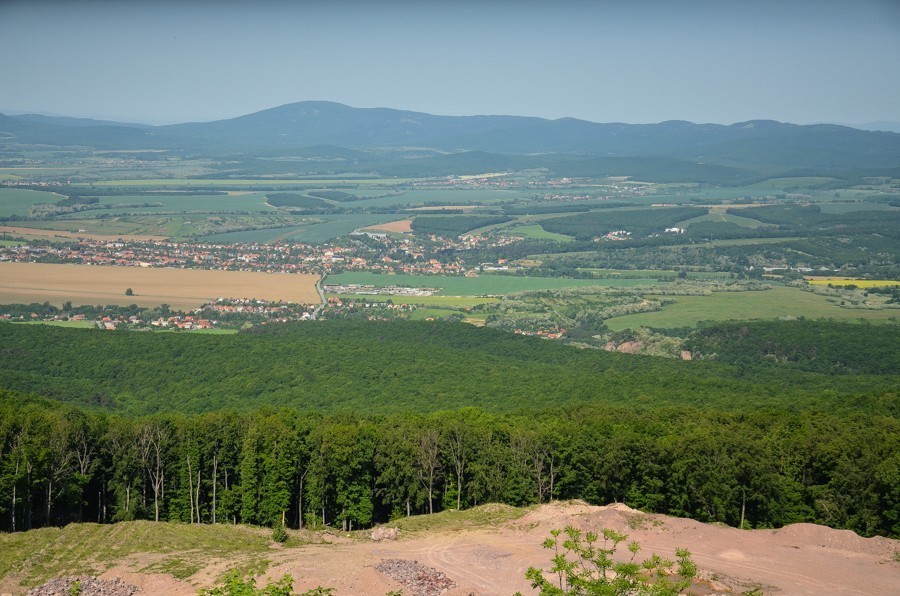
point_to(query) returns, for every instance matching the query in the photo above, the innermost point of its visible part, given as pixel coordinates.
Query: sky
(635, 61)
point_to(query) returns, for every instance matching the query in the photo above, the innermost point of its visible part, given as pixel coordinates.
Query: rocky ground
(417, 579)
(84, 585)
(459, 558)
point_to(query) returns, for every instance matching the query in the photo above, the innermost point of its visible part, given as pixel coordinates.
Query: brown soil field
(802, 559)
(403, 226)
(179, 288)
(35, 232)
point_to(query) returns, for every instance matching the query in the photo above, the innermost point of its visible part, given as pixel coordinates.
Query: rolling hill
(754, 144)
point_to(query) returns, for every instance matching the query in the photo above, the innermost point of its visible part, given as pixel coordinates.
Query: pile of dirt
(417, 578)
(84, 585)
(845, 540)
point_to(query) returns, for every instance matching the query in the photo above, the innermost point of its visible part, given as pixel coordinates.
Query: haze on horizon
(722, 61)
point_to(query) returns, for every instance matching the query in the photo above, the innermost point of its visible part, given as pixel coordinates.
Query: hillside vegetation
(396, 366)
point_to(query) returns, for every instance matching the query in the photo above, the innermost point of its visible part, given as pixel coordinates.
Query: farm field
(184, 183)
(253, 201)
(179, 288)
(860, 283)
(127, 226)
(838, 208)
(719, 216)
(331, 226)
(780, 301)
(401, 226)
(536, 232)
(15, 201)
(70, 232)
(797, 181)
(483, 285)
(448, 196)
(433, 301)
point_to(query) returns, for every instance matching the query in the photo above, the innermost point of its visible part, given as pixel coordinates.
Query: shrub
(582, 566)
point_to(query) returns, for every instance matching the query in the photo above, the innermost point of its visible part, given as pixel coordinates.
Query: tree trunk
(215, 480)
(743, 506)
(300, 504)
(552, 476)
(407, 507)
(190, 487)
(12, 508)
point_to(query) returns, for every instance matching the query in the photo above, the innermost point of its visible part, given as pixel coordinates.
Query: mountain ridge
(322, 123)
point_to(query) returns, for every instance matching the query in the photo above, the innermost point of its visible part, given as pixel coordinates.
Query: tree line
(61, 464)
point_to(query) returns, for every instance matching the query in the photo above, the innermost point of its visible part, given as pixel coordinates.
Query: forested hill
(830, 348)
(378, 367)
(751, 144)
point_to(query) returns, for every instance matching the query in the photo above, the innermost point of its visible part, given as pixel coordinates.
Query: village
(381, 253)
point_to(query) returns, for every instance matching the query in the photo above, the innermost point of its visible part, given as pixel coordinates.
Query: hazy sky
(631, 61)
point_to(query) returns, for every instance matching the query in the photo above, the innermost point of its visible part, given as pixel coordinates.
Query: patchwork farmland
(179, 288)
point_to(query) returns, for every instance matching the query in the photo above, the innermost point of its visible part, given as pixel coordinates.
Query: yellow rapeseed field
(860, 283)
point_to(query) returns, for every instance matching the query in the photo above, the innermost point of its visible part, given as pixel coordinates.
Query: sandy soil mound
(464, 558)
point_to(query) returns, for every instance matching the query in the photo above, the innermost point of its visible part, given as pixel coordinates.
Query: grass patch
(38, 555)
(16, 201)
(434, 301)
(725, 306)
(422, 314)
(177, 567)
(492, 514)
(76, 324)
(797, 181)
(536, 232)
(483, 285)
(717, 216)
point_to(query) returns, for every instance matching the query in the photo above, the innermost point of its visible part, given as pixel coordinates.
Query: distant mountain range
(281, 130)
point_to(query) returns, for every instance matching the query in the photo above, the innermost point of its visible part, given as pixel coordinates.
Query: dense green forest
(399, 366)
(357, 422)
(453, 226)
(60, 464)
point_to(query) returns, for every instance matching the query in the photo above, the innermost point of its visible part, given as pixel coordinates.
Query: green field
(176, 202)
(653, 273)
(149, 226)
(839, 208)
(434, 301)
(536, 232)
(800, 181)
(483, 285)
(75, 324)
(722, 217)
(442, 196)
(15, 201)
(332, 226)
(778, 302)
(186, 183)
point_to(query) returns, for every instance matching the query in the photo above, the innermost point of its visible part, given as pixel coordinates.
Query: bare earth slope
(493, 558)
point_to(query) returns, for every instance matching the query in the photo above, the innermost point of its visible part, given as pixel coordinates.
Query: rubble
(84, 585)
(415, 577)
